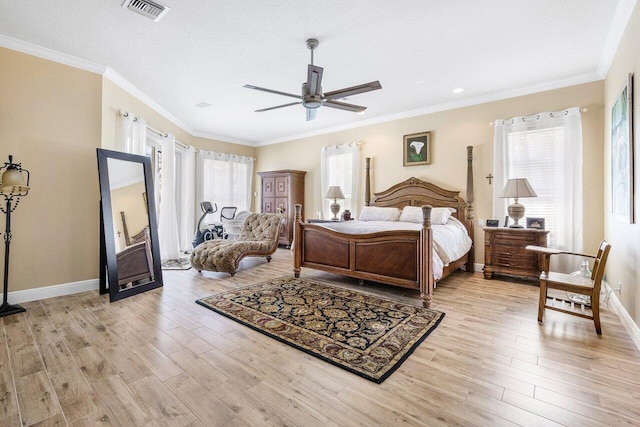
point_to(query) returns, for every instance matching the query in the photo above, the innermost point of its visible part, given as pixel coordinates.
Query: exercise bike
(208, 234)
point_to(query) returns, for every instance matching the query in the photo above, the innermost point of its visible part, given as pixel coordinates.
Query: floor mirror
(129, 245)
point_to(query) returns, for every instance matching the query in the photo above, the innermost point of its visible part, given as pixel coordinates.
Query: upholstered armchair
(258, 237)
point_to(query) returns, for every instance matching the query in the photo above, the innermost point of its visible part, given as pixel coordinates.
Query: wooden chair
(575, 284)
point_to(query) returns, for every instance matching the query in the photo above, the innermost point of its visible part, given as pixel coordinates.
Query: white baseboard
(17, 297)
(632, 329)
(478, 267)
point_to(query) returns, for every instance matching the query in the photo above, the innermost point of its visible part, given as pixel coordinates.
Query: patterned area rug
(176, 264)
(366, 335)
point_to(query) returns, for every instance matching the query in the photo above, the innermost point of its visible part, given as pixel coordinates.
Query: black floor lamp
(12, 187)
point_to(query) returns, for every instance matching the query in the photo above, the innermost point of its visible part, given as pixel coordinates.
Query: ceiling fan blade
(311, 113)
(354, 90)
(344, 106)
(277, 106)
(314, 79)
(277, 92)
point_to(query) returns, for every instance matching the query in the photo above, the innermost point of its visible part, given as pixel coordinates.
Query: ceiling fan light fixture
(313, 98)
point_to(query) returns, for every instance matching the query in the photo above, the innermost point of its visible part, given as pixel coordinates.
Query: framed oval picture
(417, 149)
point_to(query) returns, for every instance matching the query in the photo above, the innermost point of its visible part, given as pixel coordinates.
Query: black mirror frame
(108, 264)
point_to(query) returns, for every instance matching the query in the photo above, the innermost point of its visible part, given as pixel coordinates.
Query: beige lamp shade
(334, 192)
(516, 188)
(12, 182)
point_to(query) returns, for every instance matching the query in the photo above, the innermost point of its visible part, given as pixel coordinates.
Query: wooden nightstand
(505, 253)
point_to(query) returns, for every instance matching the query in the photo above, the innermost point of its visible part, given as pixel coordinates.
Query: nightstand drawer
(515, 262)
(506, 238)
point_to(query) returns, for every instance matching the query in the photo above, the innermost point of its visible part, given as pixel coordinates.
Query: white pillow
(439, 216)
(374, 213)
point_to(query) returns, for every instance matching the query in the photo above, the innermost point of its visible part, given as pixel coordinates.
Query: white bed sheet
(450, 241)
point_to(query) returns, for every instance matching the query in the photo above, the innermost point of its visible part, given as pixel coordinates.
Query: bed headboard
(415, 192)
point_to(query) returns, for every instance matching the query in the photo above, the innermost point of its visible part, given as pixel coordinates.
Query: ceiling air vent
(148, 8)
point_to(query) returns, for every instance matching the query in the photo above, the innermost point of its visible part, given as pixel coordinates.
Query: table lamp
(12, 186)
(334, 192)
(517, 188)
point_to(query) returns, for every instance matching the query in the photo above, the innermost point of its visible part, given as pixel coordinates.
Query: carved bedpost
(425, 272)
(470, 212)
(367, 182)
(297, 246)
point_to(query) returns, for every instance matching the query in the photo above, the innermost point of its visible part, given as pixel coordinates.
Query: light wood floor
(160, 359)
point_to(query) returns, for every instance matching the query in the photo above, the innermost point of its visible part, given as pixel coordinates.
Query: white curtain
(339, 165)
(186, 221)
(224, 179)
(168, 226)
(547, 150)
(134, 134)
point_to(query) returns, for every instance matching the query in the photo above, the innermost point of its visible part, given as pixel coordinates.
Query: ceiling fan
(312, 97)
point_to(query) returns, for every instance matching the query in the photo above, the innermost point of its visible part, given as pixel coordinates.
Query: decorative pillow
(414, 214)
(374, 213)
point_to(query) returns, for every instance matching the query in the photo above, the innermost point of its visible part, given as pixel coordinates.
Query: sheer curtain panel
(224, 179)
(339, 165)
(134, 134)
(188, 212)
(168, 221)
(547, 150)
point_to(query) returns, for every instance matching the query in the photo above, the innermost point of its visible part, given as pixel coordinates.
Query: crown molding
(496, 96)
(117, 79)
(616, 31)
(51, 55)
(222, 138)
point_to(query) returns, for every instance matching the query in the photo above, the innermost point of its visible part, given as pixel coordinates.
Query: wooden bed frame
(397, 258)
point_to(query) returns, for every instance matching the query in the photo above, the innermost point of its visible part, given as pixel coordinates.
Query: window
(547, 150)
(225, 179)
(339, 166)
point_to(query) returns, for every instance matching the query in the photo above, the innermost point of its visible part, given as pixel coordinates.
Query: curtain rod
(164, 134)
(348, 144)
(537, 116)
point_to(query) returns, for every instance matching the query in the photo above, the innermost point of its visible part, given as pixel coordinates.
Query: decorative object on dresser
(366, 335)
(576, 284)
(492, 223)
(281, 190)
(416, 149)
(335, 192)
(535, 223)
(14, 183)
(400, 256)
(505, 253)
(517, 188)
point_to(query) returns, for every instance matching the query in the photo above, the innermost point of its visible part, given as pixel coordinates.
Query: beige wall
(624, 259)
(50, 121)
(452, 131)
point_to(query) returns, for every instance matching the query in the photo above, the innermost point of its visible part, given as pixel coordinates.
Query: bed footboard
(392, 257)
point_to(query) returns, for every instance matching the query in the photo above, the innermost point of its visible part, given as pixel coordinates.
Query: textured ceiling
(419, 50)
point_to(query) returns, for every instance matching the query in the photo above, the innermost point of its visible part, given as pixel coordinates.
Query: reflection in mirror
(129, 224)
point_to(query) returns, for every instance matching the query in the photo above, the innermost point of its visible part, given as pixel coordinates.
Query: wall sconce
(12, 186)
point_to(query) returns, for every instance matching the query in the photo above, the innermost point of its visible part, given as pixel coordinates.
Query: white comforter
(450, 241)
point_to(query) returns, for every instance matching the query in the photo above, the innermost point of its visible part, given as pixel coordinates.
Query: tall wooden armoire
(280, 191)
